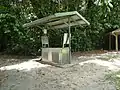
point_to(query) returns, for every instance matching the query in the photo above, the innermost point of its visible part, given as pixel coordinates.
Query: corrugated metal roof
(60, 20)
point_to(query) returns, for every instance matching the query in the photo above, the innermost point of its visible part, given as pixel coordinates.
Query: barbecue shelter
(59, 21)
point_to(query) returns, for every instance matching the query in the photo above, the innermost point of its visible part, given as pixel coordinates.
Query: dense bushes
(14, 38)
(10, 31)
(18, 40)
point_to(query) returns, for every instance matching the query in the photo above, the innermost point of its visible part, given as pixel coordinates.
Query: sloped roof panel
(60, 20)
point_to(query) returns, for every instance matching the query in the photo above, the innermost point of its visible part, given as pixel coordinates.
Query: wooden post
(69, 40)
(110, 42)
(116, 41)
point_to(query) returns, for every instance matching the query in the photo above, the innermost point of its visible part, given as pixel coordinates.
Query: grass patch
(115, 77)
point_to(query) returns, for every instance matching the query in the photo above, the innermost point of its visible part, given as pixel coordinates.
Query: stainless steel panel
(57, 55)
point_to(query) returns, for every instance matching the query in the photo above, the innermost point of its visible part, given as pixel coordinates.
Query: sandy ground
(85, 73)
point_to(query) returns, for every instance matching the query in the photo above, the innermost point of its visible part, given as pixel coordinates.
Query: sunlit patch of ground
(110, 60)
(87, 73)
(27, 65)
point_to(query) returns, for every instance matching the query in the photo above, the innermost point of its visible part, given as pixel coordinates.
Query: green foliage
(10, 30)
(13, 37)
(103, 15)
(115, 77)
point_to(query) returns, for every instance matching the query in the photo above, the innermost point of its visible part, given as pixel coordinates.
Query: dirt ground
(86, 72)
